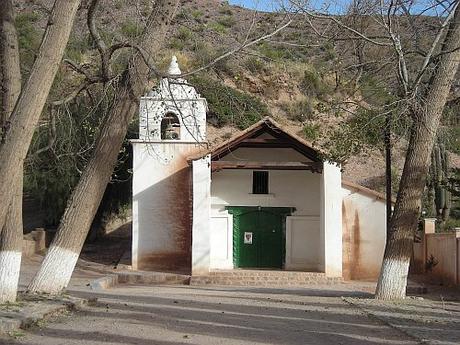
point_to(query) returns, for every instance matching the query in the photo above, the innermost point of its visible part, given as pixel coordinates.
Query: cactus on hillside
(438, 182)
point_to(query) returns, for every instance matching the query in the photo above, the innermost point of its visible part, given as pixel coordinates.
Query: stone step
(263, 278)
(263, 273)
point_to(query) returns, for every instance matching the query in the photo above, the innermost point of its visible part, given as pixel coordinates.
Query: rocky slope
(291, 76)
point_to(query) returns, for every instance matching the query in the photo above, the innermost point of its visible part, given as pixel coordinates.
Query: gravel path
(177, 315)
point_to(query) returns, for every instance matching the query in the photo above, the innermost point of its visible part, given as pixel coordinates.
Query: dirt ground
(194, 315)
(177, 315)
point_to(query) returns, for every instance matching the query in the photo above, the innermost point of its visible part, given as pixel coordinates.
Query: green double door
(259, 236)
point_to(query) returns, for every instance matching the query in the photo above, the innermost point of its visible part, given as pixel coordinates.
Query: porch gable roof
(250, 137)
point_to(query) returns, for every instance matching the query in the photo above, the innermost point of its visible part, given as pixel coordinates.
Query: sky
(261, 5)
(333, 6)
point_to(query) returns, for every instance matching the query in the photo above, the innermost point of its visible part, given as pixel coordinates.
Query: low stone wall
(34, 242)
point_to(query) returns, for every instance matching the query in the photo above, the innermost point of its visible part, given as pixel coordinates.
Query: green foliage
(299, 111)
(311, 131)
(272, 52)
(183, 38)
(176, 44)
(313, 85)
(205, 54)
(254, 64)
(51, 175)
(185, 34)
(226, 10)
(131, 29)
(227, 21)
(364, 130)
(328, 51)
(218, 27)
(374, 91)
(119, 4)
(29, 38)
(76, 47)
(228, 106)
(196, 14)
(454, 139)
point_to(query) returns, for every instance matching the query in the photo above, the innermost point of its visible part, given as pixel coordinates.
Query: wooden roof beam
(252, 165)
(265, 143)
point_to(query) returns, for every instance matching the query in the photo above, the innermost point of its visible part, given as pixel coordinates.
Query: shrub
(76, 47)
(226, 10)
(130, 29)
(29, 38)
(184, 34)
(454, 139)
(312, 84)
(328, 51)
(299, 111)
(228, 106)
(272, 52)
(311, 131)
(254, 64)
(218, 27)
(227, 21)
(204, 54)
(353, 136)
(176, 44)
(374, 92)
(196, 14)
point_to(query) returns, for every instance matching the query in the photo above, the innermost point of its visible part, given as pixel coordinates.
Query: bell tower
(173, 111)
(172, 127)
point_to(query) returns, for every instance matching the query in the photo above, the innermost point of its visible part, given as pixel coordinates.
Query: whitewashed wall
(364, 233)
(331, 220)
(161, 206)
(201, 195)
(221, 229)
(303, 243)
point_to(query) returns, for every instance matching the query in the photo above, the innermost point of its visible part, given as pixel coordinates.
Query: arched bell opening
(170, 127)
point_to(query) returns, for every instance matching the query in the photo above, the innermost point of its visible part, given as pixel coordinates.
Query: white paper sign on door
(248, 238)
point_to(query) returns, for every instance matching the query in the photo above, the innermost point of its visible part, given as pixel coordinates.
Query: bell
(170, 133)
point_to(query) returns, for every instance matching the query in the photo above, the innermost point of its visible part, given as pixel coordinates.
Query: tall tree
(417, 57)
(11, 230)
(426, 112)
(17, 136)
(59, 263)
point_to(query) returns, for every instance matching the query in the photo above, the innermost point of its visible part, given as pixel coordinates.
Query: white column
(201, 236)
(331, 219)
(135, 210)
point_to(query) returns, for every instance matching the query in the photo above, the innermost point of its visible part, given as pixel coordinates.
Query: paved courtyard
(176, 315)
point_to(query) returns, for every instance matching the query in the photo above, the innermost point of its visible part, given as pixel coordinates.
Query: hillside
(295, 77)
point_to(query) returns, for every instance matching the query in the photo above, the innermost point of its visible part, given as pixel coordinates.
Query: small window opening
(260, 182)
(170, 127)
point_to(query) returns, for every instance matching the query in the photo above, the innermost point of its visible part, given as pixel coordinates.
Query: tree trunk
(18, 135)
(11, 232)
(427, 116)
(59, 263)
(9, 57)
(11, 247)
(388, 172)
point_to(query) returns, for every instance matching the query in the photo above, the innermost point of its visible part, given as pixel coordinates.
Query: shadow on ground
(218, 315)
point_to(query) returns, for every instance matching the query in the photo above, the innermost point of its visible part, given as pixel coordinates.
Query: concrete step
(263, 278)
